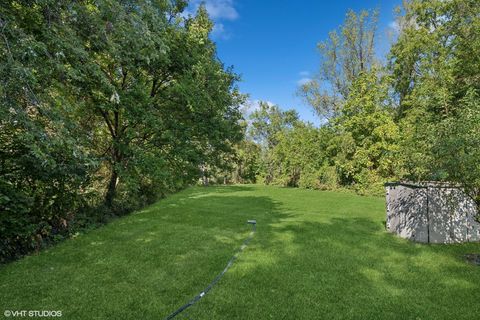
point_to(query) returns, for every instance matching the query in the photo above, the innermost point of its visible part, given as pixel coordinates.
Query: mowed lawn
(316, 255)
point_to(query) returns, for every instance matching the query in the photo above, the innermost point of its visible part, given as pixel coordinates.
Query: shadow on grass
(349, 268)
(302, 264)
(143, 265)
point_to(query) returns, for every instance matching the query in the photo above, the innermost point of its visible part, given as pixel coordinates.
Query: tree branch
(108, 122)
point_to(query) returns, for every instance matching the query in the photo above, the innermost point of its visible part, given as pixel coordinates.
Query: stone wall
(431, 213)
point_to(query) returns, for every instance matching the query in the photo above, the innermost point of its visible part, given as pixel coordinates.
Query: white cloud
(218, 10)
(250, 106)
(221, 9)
(219, 32)
(304, 78)
(303, 81)
(269, 103)
(394, 26)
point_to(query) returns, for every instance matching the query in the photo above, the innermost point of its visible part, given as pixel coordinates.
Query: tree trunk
(204, 175)
(117, 157)
(112, 188)
(112, 185)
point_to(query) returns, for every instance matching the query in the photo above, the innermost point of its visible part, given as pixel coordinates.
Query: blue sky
(272, 44)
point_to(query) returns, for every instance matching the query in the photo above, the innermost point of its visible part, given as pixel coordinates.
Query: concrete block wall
(431, 213)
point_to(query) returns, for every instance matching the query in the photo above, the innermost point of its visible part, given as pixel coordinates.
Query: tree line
(106, 105)
(411, 115)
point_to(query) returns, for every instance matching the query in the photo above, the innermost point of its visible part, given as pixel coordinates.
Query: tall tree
(268, 121)
(153, 82)
(120, 100)
(347, 53)
(367, 134)
(45, 166)
(435, 65)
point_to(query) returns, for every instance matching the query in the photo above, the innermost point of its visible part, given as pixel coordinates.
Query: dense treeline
(415, 116)
(105, 106)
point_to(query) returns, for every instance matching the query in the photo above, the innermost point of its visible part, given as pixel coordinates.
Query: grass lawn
(316, 255)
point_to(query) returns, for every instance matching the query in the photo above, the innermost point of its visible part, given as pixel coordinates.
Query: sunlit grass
(316, 255)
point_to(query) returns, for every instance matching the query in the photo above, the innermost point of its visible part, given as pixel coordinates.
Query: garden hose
(219, 276)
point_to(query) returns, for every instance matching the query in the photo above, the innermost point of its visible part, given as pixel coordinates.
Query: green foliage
(347, 53)
(299, 156)
(104, 103)
(457, 146)
(435, 66)
(246, 162)
(106, 106)
(269, 121)
(44, 162)
(368, 134)
(415, 120)
(358, 146)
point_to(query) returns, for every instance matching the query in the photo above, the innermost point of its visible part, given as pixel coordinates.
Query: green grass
(316, 255)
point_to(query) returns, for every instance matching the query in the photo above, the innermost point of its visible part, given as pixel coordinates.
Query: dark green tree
(435, 66)
(120, 100)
